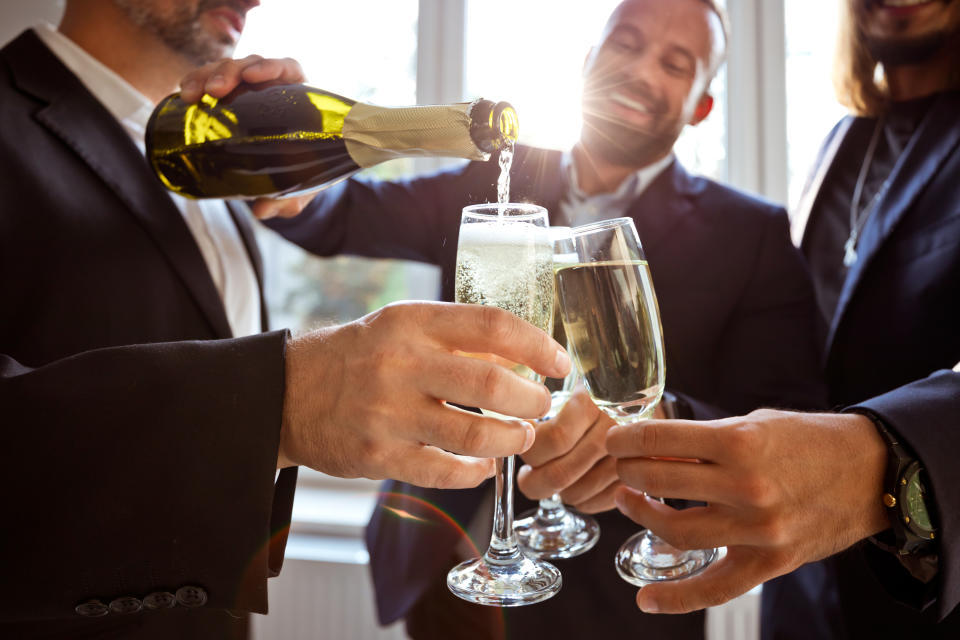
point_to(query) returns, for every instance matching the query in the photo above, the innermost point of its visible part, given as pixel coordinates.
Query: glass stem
(503, 542)
(551, 510)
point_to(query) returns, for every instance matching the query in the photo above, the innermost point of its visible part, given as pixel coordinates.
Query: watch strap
(899, 459)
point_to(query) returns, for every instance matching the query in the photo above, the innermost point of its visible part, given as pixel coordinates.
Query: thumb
(731, 576)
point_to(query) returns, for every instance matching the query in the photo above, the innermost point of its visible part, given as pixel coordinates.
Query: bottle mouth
(493, 125)
(504, 118)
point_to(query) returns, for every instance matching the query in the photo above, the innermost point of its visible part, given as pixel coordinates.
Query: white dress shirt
(579, 208)
(209, 221)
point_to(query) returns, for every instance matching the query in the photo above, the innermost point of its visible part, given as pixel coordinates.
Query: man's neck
(138, 56)
(596, 175)
(909, 82)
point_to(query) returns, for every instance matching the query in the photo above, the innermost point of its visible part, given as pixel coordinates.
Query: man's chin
(623, 147)
(210, 51)
(895, 52)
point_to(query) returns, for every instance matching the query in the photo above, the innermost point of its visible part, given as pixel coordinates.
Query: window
(304, 291)
(812, 108)
(341, 50)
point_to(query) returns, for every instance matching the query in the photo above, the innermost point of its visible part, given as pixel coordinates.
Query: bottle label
(375, 134)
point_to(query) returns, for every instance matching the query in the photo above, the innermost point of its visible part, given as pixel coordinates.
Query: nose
(641, 67)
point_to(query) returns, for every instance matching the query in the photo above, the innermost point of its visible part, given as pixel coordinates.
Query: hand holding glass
(505, 259)
(612, 321)
(552, 530)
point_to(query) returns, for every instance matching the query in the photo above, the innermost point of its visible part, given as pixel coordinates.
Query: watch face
(916, 500)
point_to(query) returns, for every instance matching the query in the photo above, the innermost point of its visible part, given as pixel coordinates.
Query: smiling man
(736, 303)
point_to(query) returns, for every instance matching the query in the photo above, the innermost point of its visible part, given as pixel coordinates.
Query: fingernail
(563, 360)
(256, 66)
(648, 606)
(525, 469)
(531, 435)
(216, 81)
(191, 86)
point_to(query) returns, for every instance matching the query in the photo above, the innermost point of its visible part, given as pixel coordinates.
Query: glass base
(569, 534)
(644, 558)
(517, 583)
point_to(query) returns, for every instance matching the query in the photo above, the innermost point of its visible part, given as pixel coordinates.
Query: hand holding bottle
(276, 138)
(219, 78)
(366, 399)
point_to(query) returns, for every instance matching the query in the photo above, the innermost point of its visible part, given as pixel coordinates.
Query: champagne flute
(505, 259)
(552, 530)
(612, 321)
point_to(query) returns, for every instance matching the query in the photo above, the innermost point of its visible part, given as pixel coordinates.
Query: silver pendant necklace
(858, 217)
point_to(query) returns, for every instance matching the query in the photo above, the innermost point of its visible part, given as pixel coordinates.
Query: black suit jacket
(738, 318)
(140, 441)
(897, 324)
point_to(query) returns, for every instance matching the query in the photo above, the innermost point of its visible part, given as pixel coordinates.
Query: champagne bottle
(289, 139)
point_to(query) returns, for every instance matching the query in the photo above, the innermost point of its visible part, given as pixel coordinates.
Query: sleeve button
(92, 609)
(191, 597)
(160, 600)
(126, 605)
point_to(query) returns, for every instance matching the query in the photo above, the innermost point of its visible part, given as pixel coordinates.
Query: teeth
(632, 104)
(903, 3)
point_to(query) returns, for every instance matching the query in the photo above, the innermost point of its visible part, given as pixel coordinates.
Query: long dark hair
(856, 79)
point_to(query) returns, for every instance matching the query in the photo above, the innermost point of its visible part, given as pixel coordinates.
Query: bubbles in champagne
(507, 265)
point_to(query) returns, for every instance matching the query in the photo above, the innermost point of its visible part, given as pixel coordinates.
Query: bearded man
(152, 428)
(865, 502)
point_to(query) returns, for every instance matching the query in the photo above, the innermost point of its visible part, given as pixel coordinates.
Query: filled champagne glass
(505, 259)
(610, 314)
(553, 530)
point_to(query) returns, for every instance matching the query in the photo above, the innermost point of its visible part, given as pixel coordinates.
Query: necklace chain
(858, 216)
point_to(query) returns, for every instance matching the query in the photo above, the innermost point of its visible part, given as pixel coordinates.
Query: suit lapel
(936, 138)
(664, 205)
(811, 190)
(80, 121)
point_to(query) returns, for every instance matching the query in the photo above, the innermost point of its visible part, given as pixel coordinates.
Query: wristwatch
(905, 495)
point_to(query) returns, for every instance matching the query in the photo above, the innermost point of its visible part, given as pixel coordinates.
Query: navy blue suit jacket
(738, 317)
(895, 331)
(132, 423)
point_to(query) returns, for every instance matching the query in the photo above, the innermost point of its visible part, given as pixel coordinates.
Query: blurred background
(774, 105)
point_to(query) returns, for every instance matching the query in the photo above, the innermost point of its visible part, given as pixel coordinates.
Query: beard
(618, 141)
(181, 31)
(895, 52)
(898, 51)
(621, 144)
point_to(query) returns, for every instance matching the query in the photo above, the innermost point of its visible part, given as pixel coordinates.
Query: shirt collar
(120, 98)
(581, 208)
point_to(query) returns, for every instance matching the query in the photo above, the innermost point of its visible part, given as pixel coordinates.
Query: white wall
(17, 15)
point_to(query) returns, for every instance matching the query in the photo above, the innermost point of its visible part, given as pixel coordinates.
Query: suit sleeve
(416, 219)
(925, 415)
(142, 469)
